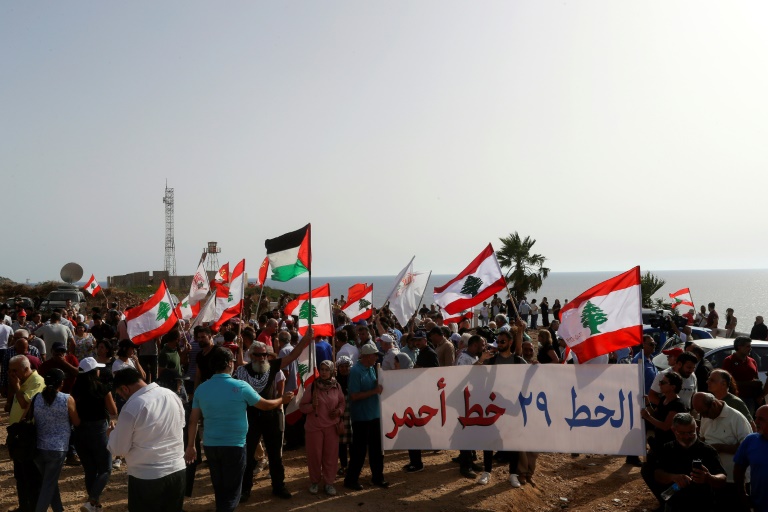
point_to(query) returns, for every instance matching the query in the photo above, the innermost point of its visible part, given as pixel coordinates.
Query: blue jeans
(227, 465)
(91, 442)
(49, 463)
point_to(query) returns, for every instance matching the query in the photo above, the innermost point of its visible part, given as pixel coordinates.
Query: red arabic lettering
(410, 419)
(474, 415)
(441, 386)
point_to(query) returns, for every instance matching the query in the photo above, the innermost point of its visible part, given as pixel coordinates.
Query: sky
(614, 133)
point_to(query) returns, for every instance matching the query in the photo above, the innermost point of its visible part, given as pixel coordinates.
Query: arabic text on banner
(541, 408)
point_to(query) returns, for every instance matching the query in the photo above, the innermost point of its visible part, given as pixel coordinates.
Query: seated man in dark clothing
(688, 463)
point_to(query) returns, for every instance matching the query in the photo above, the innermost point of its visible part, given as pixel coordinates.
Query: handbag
(22, 436)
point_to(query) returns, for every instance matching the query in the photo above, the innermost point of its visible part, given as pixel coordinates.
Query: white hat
(386, 338)
(88, 364)
(455, 337)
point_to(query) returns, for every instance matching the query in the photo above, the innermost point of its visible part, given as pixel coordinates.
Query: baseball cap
(386, 338)
(21, 313)
(368, 349)
(420, 334)
(89, 363)
(58, 346)
(455, 337)
(673, 351)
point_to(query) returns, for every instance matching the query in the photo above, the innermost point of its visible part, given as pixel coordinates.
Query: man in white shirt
(723, 428)
(149, 434)
(475, 353)
(685, 365)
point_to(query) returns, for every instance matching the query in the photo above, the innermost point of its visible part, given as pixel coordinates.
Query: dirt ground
(587, 483)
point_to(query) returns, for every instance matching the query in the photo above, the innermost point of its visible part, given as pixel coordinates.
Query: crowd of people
(99, 400)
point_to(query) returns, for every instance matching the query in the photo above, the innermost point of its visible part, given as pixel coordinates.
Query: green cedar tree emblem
(303, 369)
(591, 317)
(229, 297)
(471, 286)
(163, 311)
(363, 304)
(306, 310)
(185, 304)
(678, 301)
(93, 285)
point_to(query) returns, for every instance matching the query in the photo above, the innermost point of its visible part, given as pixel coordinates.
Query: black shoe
(282, 492)
(633, 460)
(411, 468)
(468, 473)
(355, 486)
(456, 460)
(477, 467)
(244, 496)
(383, 484)
(342, 471)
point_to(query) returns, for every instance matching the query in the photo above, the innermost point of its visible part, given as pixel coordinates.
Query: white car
(717, 349)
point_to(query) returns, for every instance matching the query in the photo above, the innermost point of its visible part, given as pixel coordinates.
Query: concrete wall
(153, 279)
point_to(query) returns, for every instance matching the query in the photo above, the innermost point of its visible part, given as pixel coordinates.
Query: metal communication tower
(170, 245)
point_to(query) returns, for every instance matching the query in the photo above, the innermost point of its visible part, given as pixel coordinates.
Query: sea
(746, 291)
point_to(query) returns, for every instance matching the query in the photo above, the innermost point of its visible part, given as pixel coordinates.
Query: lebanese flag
(153, 318)
(185, 309)
(290, 254)
(456, 318)
(605, 318)
(92, 286)
(356, 289)
(320, 309)
(359, 305)
(229, 301)
(682, 298)
(306, 374)
(479, 281)
(263, 272)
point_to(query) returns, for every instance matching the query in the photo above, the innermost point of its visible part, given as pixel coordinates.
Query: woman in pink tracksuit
(323, 403)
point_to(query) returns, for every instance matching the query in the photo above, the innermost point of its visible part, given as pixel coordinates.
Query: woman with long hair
(97, 411)
(54, 413)
(547, 353)
(324, 404)
(661, 418)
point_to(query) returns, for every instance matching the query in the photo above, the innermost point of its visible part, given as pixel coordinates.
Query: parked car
(717, 349)
(58, 298)
(664, 341)
(28, 303)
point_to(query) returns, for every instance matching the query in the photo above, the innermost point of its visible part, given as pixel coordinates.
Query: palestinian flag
(185, 309)
(605, 318)
(306, 374)
(682, 298)
(263, 272)
(479, 281)
(153, 318)
(92, 286)
(359, 305)
(229, 301)
(457, 317)
(319, 311)
(290, 255)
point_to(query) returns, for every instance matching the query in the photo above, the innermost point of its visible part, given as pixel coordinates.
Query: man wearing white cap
(387, 344)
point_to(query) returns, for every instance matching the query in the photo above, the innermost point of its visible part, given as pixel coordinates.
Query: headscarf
(326, 384)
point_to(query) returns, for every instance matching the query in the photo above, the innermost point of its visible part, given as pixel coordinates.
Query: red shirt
(70, 375)
(265, 338)
(741, 371)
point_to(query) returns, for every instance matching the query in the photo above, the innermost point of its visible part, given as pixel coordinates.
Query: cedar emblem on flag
(682, 298)
(92, 286)
(290, 255)
(605, 318)
(320, 309)
(359, 304)
(480, 280)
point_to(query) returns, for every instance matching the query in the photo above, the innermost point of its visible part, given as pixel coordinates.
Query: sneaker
(87, 507)
(342, 471)
(484, 478)
(116, 463)
(314, 489)
(411, 468)
(514, 481)
(260, 465)
(330, 490)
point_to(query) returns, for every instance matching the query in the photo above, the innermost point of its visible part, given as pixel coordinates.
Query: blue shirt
(753, 453)
(650, 370)
(363, 379)
(223, 400)
(323, 352)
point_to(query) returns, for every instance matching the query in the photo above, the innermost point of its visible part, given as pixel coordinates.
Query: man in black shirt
(100, 330)
(427, 358)
(674, 464)
(759, 330)
(204, 339)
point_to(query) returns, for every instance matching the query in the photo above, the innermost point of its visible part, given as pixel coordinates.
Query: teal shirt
(223, 401)
(363, 379)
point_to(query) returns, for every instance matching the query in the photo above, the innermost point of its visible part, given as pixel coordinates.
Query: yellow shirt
(32, 386)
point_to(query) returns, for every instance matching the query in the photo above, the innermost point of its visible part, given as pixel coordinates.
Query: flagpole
(422, 296)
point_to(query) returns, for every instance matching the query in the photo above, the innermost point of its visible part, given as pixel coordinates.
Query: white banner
(538, 408)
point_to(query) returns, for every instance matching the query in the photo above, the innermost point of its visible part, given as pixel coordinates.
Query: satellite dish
(71, 272)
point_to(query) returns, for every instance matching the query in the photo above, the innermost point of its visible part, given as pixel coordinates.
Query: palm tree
(526, 271)
(650, 284)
